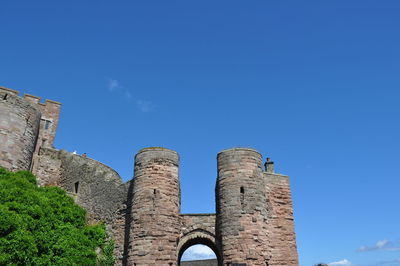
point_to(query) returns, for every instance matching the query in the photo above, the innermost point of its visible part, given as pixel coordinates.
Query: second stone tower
(155, 207)
(241, 208)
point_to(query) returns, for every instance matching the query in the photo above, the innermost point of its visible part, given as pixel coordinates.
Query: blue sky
(312, 84)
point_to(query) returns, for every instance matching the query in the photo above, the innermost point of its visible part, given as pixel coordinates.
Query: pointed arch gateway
(195, 237)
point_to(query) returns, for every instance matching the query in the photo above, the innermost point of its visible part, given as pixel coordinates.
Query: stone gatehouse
(253, 223)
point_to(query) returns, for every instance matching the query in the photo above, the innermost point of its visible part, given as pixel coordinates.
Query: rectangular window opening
(46, 124)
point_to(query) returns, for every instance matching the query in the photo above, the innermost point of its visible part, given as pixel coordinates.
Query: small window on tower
(76, 187)
(242, 198)
(46, 124)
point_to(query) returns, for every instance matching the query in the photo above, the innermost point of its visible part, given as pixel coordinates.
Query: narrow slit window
(242, 197)
(46, 124)
(76, 187)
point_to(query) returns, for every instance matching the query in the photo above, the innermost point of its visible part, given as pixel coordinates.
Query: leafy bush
(43, 226)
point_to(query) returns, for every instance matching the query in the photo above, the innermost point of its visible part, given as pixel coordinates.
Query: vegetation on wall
(43, 226)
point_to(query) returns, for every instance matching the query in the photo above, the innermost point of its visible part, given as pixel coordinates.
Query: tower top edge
(151, 149)
(234, 149)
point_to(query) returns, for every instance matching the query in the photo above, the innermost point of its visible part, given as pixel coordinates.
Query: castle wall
(241, 207)
(282, 237)
(254, 220)
(19, 126)
(94, 186)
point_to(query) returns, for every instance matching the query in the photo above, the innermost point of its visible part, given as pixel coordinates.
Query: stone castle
(253, 223)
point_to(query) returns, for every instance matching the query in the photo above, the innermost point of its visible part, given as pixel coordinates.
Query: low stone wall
(200, 263)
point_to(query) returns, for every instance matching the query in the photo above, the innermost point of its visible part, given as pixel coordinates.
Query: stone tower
(156, 206)
(19, 130)
(242, 208)
(26, 126)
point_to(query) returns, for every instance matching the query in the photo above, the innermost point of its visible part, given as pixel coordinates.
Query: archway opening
(198, 252)
(198, 249)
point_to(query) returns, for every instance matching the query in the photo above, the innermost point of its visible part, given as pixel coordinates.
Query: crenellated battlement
(28, 97)
(7, 90)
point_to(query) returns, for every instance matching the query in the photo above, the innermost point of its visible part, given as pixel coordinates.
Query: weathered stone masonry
(253, 224)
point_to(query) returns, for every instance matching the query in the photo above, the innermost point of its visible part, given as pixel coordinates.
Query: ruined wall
(94, 186)
(19, 126)
(155, 222)
(241, 207)
(282, 237)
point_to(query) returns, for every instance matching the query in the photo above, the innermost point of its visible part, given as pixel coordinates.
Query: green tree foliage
(43, 226)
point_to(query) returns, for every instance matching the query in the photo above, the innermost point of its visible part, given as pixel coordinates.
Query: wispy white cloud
(381, 245)
(113, 84)
(128, 95)
(343, 262)
(144, 106)
(395, 262)
(198, 252)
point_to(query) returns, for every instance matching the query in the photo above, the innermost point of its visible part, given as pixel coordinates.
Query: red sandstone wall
(282, 237)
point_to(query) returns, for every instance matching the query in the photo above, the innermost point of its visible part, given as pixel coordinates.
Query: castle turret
(19, 130)
(241, 207)
(155, 208)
